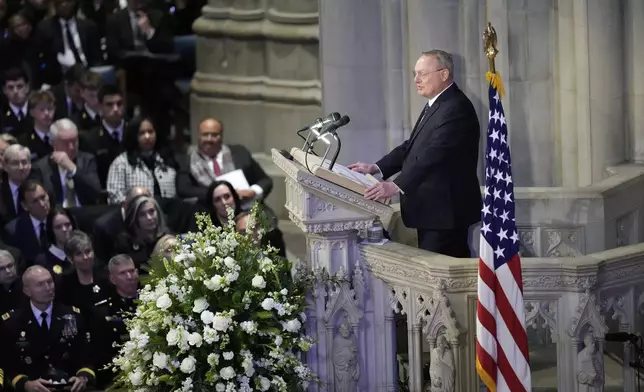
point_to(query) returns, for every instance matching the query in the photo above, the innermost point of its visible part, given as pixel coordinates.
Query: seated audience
(34, 343)
(27, 231)
(144, 225)
(85, 284)
(144, 163)
(110, 313)
(37, 10)
(211, 158)
(42, 106)
(222, 196)
(98, 11)
(112, 222)
(58, 228)
(17, 169)
(76, 41)
(89, 117)
(15, 108)
(6, 140)
(68, 174)
(11, 296)
(106, 142)
(23, 48)
(69, 100)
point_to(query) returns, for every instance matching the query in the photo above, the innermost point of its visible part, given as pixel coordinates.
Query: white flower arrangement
(225, 314)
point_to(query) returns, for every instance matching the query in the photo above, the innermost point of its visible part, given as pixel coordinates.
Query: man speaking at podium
(440, 194)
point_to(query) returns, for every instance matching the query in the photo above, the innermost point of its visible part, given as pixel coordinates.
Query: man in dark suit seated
(108, 225)
(28, 231)
(14, 112)
(42, 106)
(75, 40)
(440, 194)
(211, 158)
(11, 295)
(69, 101)
(68, 174)
(17, 169)
(106, 141)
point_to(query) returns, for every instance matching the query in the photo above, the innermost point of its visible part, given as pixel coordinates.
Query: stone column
(634, 83)
(351, 58)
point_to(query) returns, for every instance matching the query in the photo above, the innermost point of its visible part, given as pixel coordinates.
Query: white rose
(228, 355)
(264, 383)
(227, 373)
(259, 282)
(213, 283)
(201, 304)
(292, 325)
(230, 262)
(172, 337)
(160, 360)
(164, 302)
(188, 365)
(212, 359)
(194, 339)
(136, 377)
(207, 317)
(220, 323)
(220, 387)
(268, 304)
(284, 292)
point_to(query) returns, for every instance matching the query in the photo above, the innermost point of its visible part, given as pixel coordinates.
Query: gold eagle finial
(489, 45)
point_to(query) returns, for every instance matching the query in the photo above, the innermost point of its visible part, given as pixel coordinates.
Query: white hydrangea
(250, 327)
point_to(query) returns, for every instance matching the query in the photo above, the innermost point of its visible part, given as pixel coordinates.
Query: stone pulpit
(349, 316)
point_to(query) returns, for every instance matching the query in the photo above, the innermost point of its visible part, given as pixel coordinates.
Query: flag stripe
(502, 356)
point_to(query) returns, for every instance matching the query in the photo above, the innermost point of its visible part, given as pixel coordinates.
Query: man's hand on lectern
(365, 168)
(381, 190)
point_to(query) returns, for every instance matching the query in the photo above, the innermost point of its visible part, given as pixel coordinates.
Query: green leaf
(264, 315)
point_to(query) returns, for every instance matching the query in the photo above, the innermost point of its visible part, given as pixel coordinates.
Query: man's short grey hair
(443, 58)
(118, 261)
(78, 242)
(14, 150)
(64, 124)
(6, 255)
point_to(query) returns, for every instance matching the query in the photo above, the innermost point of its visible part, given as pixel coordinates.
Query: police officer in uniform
(110, 314)
(45, 344)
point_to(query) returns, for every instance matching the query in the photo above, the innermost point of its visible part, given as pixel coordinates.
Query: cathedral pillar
(634, 83)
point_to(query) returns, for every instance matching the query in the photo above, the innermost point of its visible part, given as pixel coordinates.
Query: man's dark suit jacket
(106, 227)
(20, 233)
(120, 37)
(99, 143)
(86, 182)
(188, 186)
(7, 209)
(84, 122)
(35, 144)
(9, 123)
(63, 108)
(438, 166)
(51, 32)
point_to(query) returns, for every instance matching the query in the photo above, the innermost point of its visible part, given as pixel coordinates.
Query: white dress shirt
(92, 114)
(36, 223)
(18, 110)
(118, 130)
(68, 55)
(14, 193)
(63, 182)
(220, 161)
(37, 313)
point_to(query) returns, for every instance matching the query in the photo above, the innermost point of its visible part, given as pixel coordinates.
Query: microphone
(621, 337)
(331, 128)
(321, 122)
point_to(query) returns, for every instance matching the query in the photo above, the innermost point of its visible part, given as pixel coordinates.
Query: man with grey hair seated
(69, 174)
(109, 313)
(11, 296)
(17, 169)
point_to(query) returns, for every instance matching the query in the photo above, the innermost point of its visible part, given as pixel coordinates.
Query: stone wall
(257, 70)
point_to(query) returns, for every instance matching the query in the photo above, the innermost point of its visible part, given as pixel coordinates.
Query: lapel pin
(58, 269)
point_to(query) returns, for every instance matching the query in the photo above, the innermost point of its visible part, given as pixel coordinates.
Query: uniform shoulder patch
(75, 309)
(6, 316)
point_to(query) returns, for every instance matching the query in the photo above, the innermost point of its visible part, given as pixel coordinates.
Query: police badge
(70, 330)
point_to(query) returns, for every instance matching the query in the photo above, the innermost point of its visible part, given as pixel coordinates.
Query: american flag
(502, 359)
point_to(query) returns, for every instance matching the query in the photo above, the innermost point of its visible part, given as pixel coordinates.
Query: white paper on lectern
(354, 175)
(236, 178)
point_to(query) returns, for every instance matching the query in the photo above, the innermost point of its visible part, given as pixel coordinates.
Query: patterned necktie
(216, 166)
(70, 193)
(43, 322)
